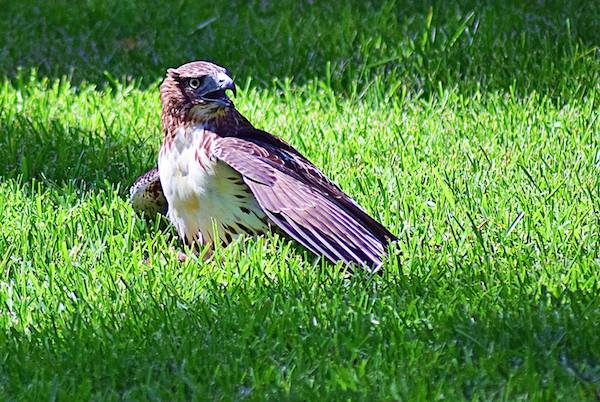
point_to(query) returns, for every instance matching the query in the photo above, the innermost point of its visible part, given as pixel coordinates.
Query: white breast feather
(204, 196)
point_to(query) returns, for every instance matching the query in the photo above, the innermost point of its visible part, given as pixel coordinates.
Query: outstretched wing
(300, 199)
(146, 194)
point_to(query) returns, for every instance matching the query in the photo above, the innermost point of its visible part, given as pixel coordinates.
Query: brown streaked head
(195, 89)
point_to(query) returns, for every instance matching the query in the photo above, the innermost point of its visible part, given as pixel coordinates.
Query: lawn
(469, 129)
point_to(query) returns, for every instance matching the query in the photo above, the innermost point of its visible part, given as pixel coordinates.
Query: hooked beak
(215, 91)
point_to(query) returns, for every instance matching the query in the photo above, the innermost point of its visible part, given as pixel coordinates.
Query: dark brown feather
(146, 194)
(302, 201)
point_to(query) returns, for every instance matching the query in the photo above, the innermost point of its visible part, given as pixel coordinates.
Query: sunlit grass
(492, 185)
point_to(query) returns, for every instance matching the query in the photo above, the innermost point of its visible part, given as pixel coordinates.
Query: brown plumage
(223, 177)
(146, 194)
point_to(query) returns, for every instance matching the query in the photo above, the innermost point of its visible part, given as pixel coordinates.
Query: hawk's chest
(186, 166)
(201, 190)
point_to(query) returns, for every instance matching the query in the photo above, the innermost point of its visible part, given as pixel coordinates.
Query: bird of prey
(222, 177)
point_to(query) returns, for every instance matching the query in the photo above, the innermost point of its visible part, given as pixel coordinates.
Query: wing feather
(300, 199)
(146, 194)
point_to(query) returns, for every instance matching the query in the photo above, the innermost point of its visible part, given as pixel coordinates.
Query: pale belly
(206, 197)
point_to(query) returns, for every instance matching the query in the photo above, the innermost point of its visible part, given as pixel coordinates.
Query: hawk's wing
(300, 199)
(146, 194)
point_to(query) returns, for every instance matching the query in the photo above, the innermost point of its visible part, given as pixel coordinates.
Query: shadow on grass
(61, 153)
(543, 46)
(275, 339)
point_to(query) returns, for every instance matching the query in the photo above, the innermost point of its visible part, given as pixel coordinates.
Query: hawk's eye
(194, 83)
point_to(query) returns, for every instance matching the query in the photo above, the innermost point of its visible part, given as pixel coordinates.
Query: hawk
(221, 177)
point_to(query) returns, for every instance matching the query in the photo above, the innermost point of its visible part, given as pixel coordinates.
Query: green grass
(470, 130)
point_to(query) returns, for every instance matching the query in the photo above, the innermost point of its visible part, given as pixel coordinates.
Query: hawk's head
(196, 91)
